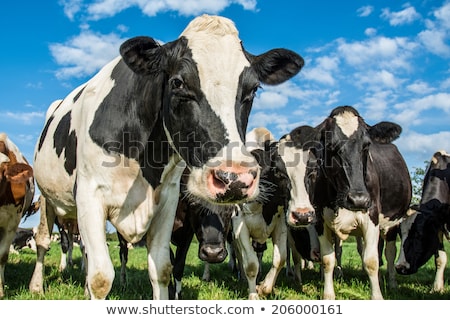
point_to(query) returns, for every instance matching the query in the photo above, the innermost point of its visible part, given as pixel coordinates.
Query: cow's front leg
(246, 254)
(370, 258)
(328, 262)
(92, 224)
(279, 240)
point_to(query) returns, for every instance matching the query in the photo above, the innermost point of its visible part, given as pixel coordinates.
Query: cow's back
(65, 130)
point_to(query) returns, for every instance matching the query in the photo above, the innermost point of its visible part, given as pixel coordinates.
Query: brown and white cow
(424, 229)
(115, 148)
(362, 188)
(16, 196)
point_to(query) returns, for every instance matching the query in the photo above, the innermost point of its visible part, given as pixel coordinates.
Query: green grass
(223, 285)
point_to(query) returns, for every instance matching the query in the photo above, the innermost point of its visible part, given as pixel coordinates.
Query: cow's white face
(300, 210)
(209, 86)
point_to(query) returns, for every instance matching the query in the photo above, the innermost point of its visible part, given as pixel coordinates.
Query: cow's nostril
(358, 200)
(225, 177)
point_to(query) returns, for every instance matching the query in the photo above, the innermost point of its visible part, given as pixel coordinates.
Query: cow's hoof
(253, 296)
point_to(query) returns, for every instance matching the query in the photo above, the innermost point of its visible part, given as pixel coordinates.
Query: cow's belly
(345, 223)
(55, 183)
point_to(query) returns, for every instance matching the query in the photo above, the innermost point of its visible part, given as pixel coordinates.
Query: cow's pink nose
(233, 184)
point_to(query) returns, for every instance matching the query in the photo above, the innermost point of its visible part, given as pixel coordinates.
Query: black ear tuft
(136, 53)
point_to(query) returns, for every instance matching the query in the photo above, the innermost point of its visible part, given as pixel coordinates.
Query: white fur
(348, 122)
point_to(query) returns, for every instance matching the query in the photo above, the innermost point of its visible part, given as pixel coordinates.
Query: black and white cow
(69, 235)
(115, 148)
(211, 229)
(423, 231)
(16, 196)
(257, 221)
(362, 187)
(24, 238)
(293, 153)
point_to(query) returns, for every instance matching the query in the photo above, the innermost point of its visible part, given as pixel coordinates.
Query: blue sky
(388, 59)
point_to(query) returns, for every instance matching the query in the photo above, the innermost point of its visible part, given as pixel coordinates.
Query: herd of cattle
(156, 144)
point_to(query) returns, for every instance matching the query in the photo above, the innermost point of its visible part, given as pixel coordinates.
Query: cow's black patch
(44, 132)
(63, 140)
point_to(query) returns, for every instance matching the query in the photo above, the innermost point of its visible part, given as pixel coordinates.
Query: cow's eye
(252, 94)
(176, 82)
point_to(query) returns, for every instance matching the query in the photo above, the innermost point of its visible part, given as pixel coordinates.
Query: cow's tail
(31, 210)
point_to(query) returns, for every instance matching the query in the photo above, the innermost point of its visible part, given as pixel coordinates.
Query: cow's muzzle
(212, 253)
(301, 217)
(230, 184)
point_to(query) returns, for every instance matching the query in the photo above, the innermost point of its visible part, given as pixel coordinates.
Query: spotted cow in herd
(210, 227)
(24, 238)
(16, 197)
(115, 148)
(424, 229)
(257, 221)
(362, 187)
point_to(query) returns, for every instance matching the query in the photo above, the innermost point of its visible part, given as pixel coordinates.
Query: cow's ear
(276, 66)
(141, 54)
(385, 132)
(303, 137)
(18, 173)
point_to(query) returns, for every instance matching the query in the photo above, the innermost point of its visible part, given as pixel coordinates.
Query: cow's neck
(131, 112)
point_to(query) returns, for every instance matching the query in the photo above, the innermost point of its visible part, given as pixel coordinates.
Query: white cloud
(107, 8)
(443, 15)
(374, 80)
(375, 105)
(85, 54)
(437, 33)
(270, 100)
(408, 112)
(434, 41)
(405, 16)
(364, 11)
(71, 7)
(25, 117)
(381, 51)
(322, 70)
(421, 147)
(420, 87)
(269, 120)
(370, 32)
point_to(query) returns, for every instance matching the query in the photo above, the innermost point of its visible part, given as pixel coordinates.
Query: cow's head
(211, 229)
(209, 83)
(14, 175)
(345, 160)
(299, 166)
(421, 231)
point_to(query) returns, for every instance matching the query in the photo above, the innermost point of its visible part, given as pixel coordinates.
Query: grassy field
(223, 285)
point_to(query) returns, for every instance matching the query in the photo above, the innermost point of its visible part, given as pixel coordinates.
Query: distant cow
(362, 188)
(115, 148)
(24, 238)
(16, 196)
(423, 231)
(69, 234)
